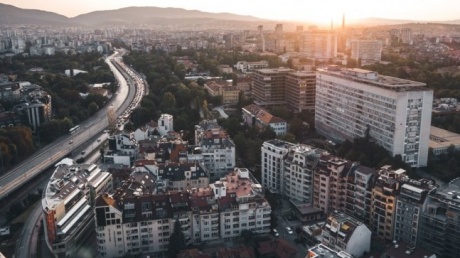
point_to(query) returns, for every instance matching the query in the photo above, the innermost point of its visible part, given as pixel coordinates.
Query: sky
(320, 11)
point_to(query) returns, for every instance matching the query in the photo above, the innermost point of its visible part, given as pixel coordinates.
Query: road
(58, 149)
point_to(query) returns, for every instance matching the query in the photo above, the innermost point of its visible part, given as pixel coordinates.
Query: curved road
(55, 151)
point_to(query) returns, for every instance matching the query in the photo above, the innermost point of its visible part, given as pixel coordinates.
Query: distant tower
(343, 22)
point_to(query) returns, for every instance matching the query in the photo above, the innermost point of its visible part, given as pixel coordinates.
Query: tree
(176, 241)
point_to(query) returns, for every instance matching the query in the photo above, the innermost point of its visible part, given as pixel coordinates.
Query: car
(83, 152)
(98, 139)
(275, 232)
(289, 230)
(70, 142)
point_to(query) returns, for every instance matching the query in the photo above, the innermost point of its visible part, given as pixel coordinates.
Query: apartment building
(406, 35)
(273, 152)
(344, 233)
(10, 91)
(258, 117)
(324, 251)
(269, 85)
(366, 51)
(439, 222)
(396, 113)
(299, 164)
(165, 124)
(383, 202)
(409, 205)
(216, 147)
(330, 183)
(244, 66)
(360, 182)
(319, 44)
(280, 86)
(67, 203)
(180, 176)
(300, 91)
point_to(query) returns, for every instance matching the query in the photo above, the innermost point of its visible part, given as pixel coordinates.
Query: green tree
(176, 240)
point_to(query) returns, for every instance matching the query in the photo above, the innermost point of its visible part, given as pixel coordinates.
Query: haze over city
(299, 10)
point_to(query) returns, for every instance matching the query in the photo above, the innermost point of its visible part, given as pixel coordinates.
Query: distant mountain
(146, 15)
(10, 15)
(372, 21)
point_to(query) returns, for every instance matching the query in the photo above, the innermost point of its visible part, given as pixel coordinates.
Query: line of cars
(288, 230)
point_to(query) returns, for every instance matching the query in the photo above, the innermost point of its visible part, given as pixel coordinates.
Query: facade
(180, 176)
(67, 204)
(344, 233)
(260, 118)
(329, 186)
(409, 205)
(439, 220)
(300, 91)
(268, 86)
(367, 51)
(298, 167)
(319, 45)
(230, 95)
(396, 113)
(383, 202)
(136, 220)
(216, 147)
(406, 35)
(244, 66)
(165, 124)
(441, 140)
(9, 91)
(273, 152)
(360, 182)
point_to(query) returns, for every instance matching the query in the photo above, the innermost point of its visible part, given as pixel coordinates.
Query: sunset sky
(320, 11)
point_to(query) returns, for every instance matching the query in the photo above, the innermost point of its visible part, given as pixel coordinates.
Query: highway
(128, 96)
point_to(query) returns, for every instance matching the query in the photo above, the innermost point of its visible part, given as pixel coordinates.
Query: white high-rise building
(319, 45)
(273, 153)
(395, 112)
(165, 124)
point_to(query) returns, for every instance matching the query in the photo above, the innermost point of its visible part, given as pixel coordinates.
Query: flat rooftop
(323, 251)
(440, 138)
(274, 70)
(374, 79)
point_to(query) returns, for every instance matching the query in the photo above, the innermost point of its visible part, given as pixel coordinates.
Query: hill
(11, 15)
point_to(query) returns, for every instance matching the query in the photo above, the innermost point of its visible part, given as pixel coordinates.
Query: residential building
(214, 88)
(244, 84)
(319, 44)
(67, 203)
(298, 167)
(181, 176)
(383, 202)
(122, 150)
(258, 117)
(344, 233)
(216, 147)
(269, 85)
(165, 124)
(321, 250)
(300, 91)
(9, 91)
(409, 206)
(439, 219)
(360, 181)
(273, 152)
(406, 36)
(395, 113)
(244, 66)
(401, 249)
(329, 186)
(230, 95)
(366, 51)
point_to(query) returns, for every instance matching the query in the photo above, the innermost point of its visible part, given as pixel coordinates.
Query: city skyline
(289, 10)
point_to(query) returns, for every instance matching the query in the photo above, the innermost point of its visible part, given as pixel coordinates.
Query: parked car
(289, 230)
(275, 232)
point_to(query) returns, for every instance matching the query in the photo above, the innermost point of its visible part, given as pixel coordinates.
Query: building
(269, 85)
(216, 147)
(230, 95)
(273, 152)
(298, 167)
(366, 51)
(344, 233)
(122, 150)
(180, 176)
(67, 203)
(406, 36)
(409, 206)
(10, 91)
(383, 202)
(280, 86)
(165, 124)
(441, 140)
(319, 44)
(396, 113)
(258, 117)
(402, 249)
(244, 66)
(330, 183)
(321, 250)
(439, 220)
(300, 91)
(38, 109)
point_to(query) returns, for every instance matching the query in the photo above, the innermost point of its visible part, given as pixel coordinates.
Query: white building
(395, 112)
(344, 233)
(273, 153)
(217, 149)
(68, 217)
(368, 51)
(258, 117)
(165, 124)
